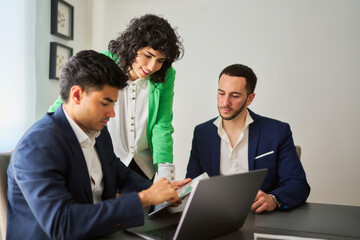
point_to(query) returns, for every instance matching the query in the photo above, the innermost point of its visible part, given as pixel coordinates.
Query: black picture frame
(59, 54)
(62, 19)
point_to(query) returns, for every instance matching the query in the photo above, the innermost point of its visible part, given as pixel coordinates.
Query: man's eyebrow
(109, 99)
(220, 90)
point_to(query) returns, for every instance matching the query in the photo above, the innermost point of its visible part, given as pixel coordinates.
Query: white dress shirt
(234, 159)
(87, 143)
(129, 129)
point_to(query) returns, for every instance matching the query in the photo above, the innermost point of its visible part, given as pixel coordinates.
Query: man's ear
(76, 94)
(250, 99)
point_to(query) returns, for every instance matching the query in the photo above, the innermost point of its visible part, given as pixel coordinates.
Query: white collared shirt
(234, 159)
(87, 142)
(129, 130)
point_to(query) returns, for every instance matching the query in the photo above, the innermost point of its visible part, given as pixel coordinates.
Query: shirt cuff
(276, 201)
(166, 170)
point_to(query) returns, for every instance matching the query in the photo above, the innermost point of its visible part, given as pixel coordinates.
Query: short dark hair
(239, 70)
(148, 30)
(91, 71)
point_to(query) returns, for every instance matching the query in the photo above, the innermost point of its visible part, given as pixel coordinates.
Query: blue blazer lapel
(75, 147)
(254, 133)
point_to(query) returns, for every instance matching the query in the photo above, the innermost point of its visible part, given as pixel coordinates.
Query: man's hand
(178, 184)
(159, 192)
(263, 202)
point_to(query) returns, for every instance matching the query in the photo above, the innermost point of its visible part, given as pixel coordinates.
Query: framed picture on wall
(62, 19)
(59, 54)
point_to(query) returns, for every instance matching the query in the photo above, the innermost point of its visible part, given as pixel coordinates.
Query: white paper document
(262, 236)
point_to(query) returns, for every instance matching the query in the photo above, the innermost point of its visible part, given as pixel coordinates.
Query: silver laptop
(216, 206)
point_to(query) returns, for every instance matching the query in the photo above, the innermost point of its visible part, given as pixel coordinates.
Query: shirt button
(132, 117)
(133, 98)
(131, 130)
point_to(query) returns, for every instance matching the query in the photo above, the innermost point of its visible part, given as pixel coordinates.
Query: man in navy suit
(240, 140)
(64, 175)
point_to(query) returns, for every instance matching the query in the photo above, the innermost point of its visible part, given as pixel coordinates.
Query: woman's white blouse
(128, 129)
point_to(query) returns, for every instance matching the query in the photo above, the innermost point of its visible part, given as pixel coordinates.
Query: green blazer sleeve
(160, 116)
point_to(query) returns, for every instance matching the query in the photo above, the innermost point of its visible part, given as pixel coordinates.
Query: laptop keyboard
(163, 233)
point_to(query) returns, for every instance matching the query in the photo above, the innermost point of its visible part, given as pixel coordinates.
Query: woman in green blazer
(142, 128)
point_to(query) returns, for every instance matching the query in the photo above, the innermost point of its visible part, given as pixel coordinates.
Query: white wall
(26, 90)
(17, 68)
(48, 89)
(306, 55)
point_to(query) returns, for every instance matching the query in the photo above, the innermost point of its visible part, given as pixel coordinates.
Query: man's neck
(234, 127)
(70, 111)
(236, 123)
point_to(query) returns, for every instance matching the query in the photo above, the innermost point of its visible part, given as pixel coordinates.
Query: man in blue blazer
(64, 175)
(240, 140)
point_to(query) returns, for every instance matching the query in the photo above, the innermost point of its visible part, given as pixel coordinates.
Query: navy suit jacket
(286, 177)
(49, 191)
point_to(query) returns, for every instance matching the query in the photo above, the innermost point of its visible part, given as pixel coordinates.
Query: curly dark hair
(92, 71)
(148, 30)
